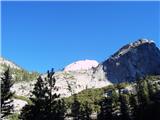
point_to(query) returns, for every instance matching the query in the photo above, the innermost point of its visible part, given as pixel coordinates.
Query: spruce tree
(6, 94)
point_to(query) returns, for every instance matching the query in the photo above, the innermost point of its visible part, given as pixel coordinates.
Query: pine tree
(46, 104)
(110, 108)
(151, 88)
(124, 107)
(6, 94)
(143, 98)
(75, 108)
(115, 104)
(133, 106)
(106, 109)
(143, 94)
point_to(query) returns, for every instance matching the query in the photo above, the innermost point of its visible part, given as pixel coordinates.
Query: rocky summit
(133, 60)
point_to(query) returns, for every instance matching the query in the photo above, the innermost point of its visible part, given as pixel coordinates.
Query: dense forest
(139, 100)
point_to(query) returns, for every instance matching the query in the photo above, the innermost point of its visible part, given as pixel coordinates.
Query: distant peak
(130, 46)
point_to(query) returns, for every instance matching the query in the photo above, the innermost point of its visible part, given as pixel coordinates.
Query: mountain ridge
(118, 68)
(137, 59)
(129, 53)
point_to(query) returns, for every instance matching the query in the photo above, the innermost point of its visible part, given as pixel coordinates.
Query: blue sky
(42, 35)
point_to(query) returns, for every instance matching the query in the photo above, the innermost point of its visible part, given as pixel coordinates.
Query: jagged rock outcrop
(134, 60)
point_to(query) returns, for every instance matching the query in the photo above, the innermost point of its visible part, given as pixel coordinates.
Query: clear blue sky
(42, 35)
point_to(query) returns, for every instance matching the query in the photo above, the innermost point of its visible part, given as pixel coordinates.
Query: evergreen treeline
(141, 102)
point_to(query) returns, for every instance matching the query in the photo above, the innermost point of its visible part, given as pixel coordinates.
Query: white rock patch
(81, 65)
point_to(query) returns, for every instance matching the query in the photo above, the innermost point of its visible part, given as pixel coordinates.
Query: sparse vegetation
(23, 98)
(21, 75)
(13, 117)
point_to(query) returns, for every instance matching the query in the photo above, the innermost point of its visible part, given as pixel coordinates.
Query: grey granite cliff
(134, 60)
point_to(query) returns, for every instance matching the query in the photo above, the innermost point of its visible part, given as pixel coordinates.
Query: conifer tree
(133, 106)
(75, 108)
(115, 104)
(46, 104)
(110, 108)
(6, 94)
(157, 88)
(151, 88)
(106, 109)
(124, 107)
(143, 96)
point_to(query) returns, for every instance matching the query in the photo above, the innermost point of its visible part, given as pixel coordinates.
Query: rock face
(134, 60)
(78, 81)
(81, 65)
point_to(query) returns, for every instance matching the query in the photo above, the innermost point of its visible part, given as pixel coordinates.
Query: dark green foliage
(152, 85)
(6, 94)
(142, 93)
(91, 96)
(124, 107)
(85, 111)
(133, 106)
(27, 113)
(106, 109)
(46, 105)
(146, 92)
(80, 111)
(110, 107)
(75, 108)
(115, 99)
